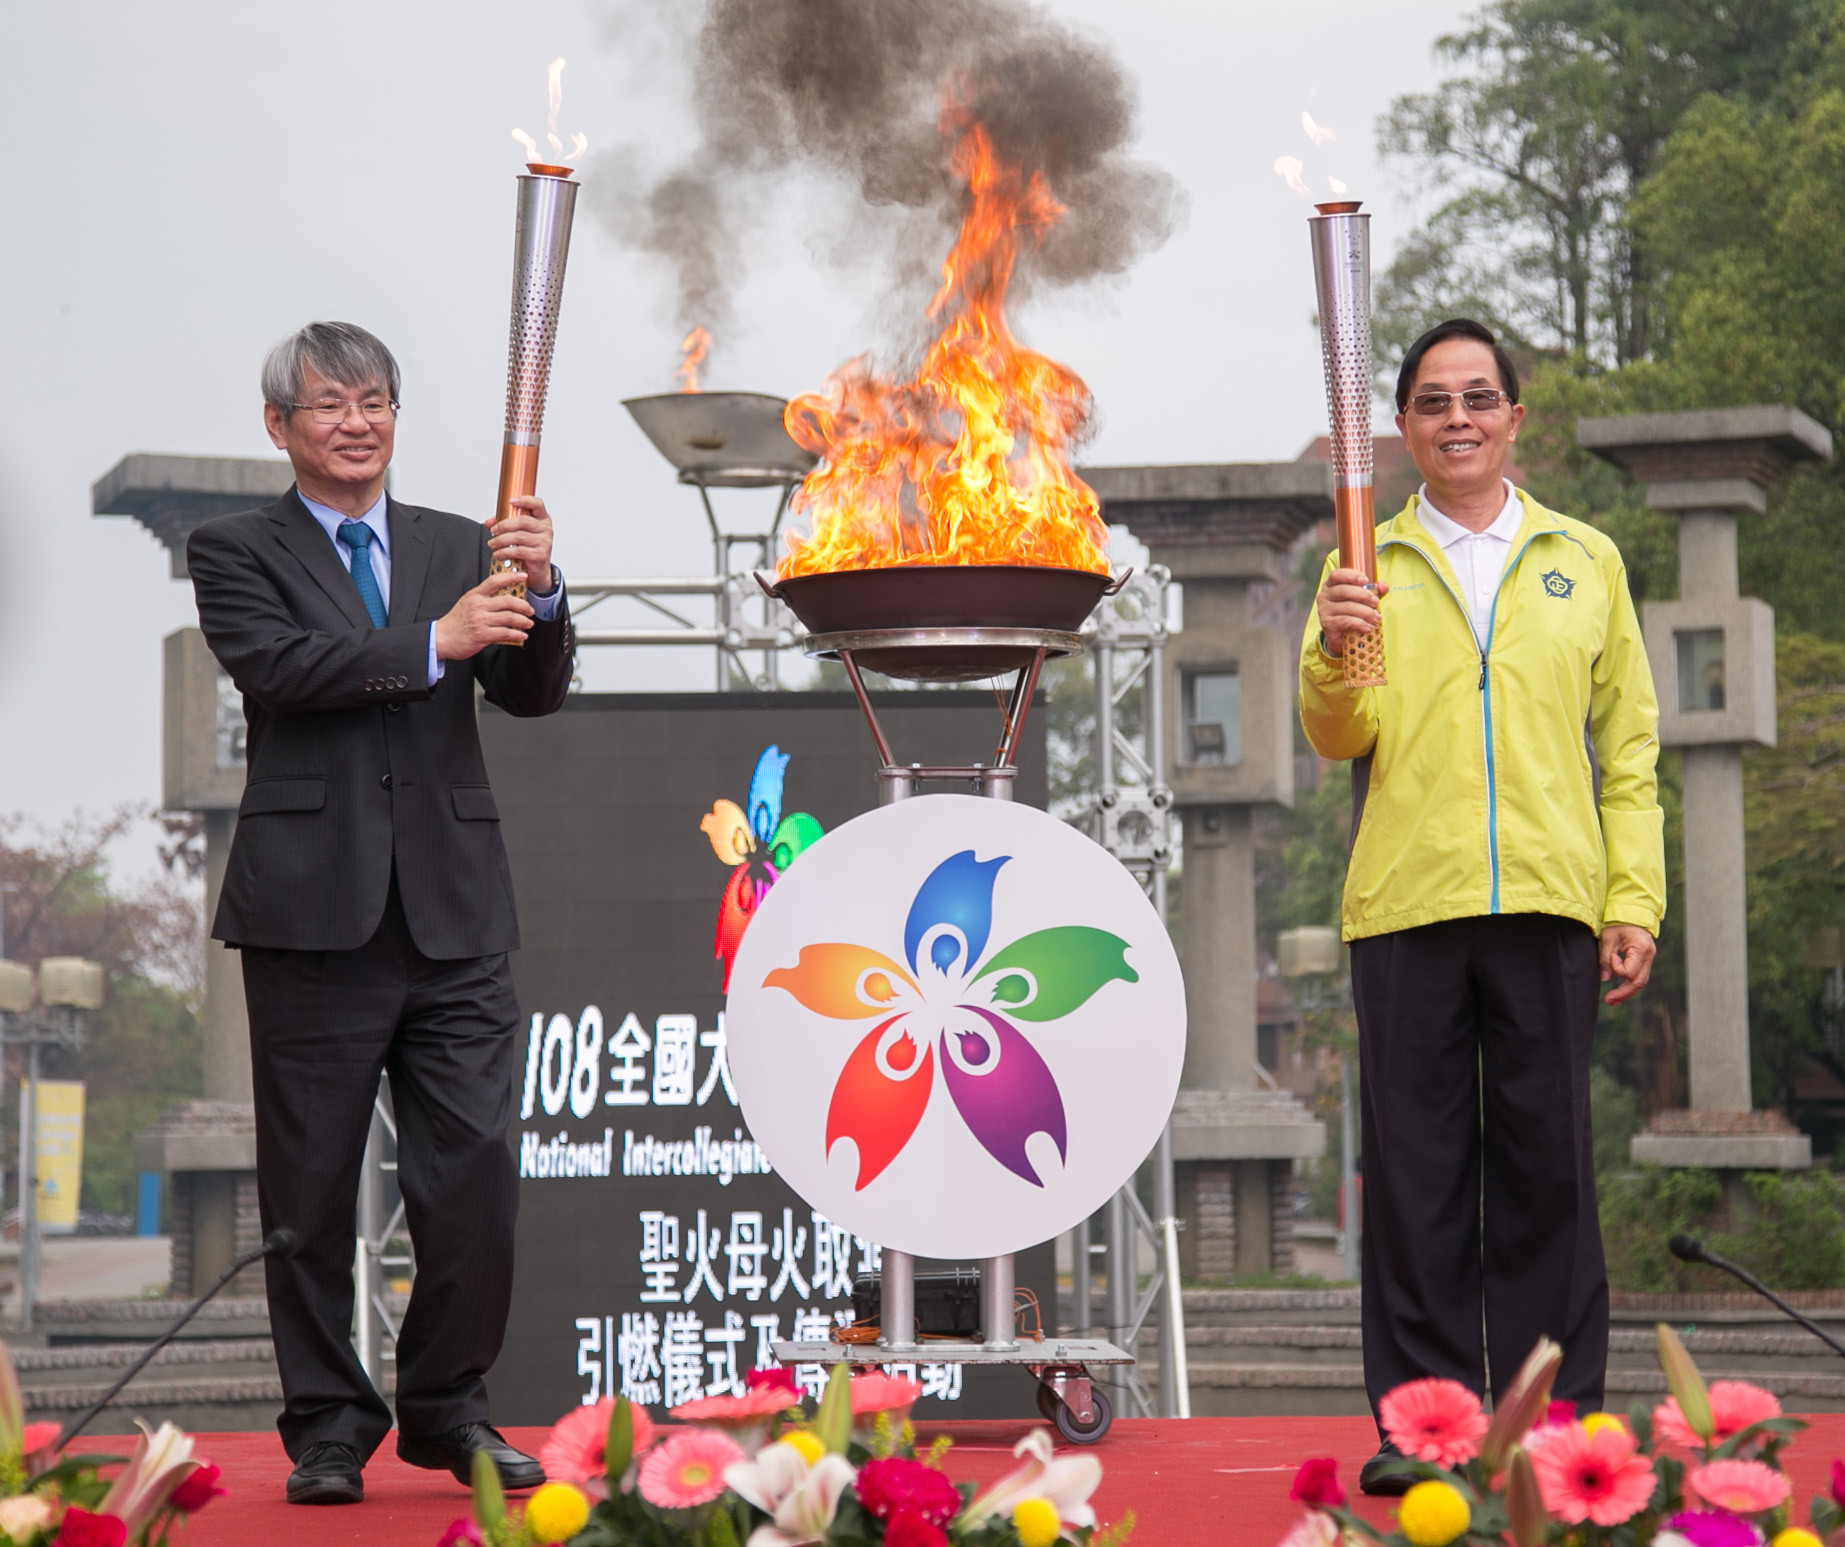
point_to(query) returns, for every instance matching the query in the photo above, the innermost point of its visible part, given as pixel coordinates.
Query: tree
(1559, 112)
(144, 1049)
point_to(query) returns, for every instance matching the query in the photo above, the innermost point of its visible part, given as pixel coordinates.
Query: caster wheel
(1047, 1403)
(1085, 1434)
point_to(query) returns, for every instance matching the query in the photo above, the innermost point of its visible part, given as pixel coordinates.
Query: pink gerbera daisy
(687, 1469)
(576, 1450)
(1734, 1405)
(1434, 1420)
(751, 1407)
(1594, 1477)
(876, 1392)
(1741, 1487)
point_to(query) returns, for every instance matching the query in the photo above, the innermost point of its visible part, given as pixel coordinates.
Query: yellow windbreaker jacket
(1515, 779)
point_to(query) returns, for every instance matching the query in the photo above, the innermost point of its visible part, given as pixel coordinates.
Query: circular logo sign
(956, 1026)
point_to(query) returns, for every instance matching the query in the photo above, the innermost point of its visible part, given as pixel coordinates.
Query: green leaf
(1070, 964)
(797, 833)
(489, 1497)
(618, 1450)
(833, 1423)
(720, 1530)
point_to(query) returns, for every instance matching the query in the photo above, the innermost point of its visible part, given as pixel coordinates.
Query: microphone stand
(279, 1243)
(1688, 1248)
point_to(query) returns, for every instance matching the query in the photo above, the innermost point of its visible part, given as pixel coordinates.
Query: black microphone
(283, 1243)
(1688, 1248)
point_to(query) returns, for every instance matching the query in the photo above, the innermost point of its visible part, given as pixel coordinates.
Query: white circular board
(956, 1026)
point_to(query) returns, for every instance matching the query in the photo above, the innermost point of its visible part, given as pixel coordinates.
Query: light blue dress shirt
(378, 519)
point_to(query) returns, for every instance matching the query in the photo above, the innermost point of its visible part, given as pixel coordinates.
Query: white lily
(161, 1461)
(801, 1499)
(1315, 1529)
(1066, 1482)
(24, 1514)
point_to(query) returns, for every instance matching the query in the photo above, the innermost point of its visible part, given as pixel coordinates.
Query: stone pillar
(1229, 692)
(206, 1148)
(1217, 926)
(1713, 658)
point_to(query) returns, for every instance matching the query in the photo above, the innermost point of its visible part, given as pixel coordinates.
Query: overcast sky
(188, 182)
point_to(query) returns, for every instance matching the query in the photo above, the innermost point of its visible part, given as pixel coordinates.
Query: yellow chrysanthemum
(556, 1512)
(1596, 1422)
(1036, 1522)
(1793, 1536)
(1432, 1514)
(806, 1444)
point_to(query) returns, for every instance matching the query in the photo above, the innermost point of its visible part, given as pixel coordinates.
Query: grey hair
(340, 351)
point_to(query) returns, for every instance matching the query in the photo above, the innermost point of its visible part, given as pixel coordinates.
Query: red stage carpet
(1193, 1483)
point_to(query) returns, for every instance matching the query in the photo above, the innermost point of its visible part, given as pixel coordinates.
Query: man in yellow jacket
(1507, 858)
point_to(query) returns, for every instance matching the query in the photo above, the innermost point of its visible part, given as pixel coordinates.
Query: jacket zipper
(1485, 690)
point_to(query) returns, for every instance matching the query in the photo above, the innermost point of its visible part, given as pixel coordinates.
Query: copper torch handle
(518, 478)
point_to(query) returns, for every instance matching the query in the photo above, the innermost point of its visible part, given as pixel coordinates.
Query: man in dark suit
(368, 890)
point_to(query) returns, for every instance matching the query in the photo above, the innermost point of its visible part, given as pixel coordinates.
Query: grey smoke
(853, 89)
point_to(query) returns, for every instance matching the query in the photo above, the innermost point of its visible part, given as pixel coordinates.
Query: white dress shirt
(378, 519)
(1477, 558)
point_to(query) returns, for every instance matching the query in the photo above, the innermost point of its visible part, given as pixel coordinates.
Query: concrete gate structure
(1230, 691)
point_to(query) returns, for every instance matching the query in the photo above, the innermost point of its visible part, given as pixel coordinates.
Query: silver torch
(1341, 239)
(541, 244)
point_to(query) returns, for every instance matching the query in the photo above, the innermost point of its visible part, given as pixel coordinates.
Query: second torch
(541, 246)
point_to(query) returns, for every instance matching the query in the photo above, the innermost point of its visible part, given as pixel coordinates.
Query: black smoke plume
(854, 89)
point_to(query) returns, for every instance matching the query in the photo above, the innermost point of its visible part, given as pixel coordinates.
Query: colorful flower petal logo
(760, 842)
(948, 1005)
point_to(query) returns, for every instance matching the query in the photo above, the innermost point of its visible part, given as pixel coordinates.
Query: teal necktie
(357, 536)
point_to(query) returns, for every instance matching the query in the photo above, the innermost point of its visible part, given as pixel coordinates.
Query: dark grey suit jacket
(352, 760)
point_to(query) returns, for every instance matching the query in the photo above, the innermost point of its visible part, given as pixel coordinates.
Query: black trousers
(323, 1025)
(1480, 1226)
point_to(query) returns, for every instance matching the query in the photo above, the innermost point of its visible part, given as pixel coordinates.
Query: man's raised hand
(1347, 605)
(484, 616)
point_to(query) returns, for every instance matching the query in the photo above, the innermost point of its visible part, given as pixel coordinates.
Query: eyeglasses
(374, 410)
(1479, 400)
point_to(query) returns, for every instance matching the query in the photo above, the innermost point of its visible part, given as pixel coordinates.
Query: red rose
(461, 1533)
(1838, 1483)
(1560, 1412)
(198, 1490)
(911, 1530)
(778, 1378)
(82, 1529)
(1316, 1484)
(896, 1486)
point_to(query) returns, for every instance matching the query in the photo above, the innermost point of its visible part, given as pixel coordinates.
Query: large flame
(694, 346)
(966, 463)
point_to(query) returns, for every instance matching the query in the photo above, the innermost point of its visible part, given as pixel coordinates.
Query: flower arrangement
(1702, 1469)
(756, 1471)
(53, 1500)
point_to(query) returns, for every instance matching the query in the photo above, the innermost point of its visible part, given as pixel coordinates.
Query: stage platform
(1191, 1483)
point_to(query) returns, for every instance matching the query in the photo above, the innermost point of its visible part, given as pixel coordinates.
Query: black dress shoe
(327, 1473)
(454, 1453)
(1377, 1477)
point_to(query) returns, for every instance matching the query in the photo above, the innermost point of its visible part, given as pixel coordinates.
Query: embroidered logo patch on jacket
(1558, 585)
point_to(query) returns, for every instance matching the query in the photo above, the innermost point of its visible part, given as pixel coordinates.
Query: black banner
(658, 1253)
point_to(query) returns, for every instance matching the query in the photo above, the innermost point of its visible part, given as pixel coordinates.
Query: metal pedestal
(1067, 1394)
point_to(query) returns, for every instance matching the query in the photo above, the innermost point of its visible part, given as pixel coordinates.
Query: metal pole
(1348, 1183)
(897, 1273)
(28, 1189)
(367, 1279)
(1082, 1290)
(998, 1313)
(1121, 1274)
(1104, 653)
(1175, 1366)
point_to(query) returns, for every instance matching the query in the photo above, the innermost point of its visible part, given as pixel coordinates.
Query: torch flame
(696, 345)
(1318, 133)
(1337, 187)
(554, 98)
(967, 462)
(1288, 169)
